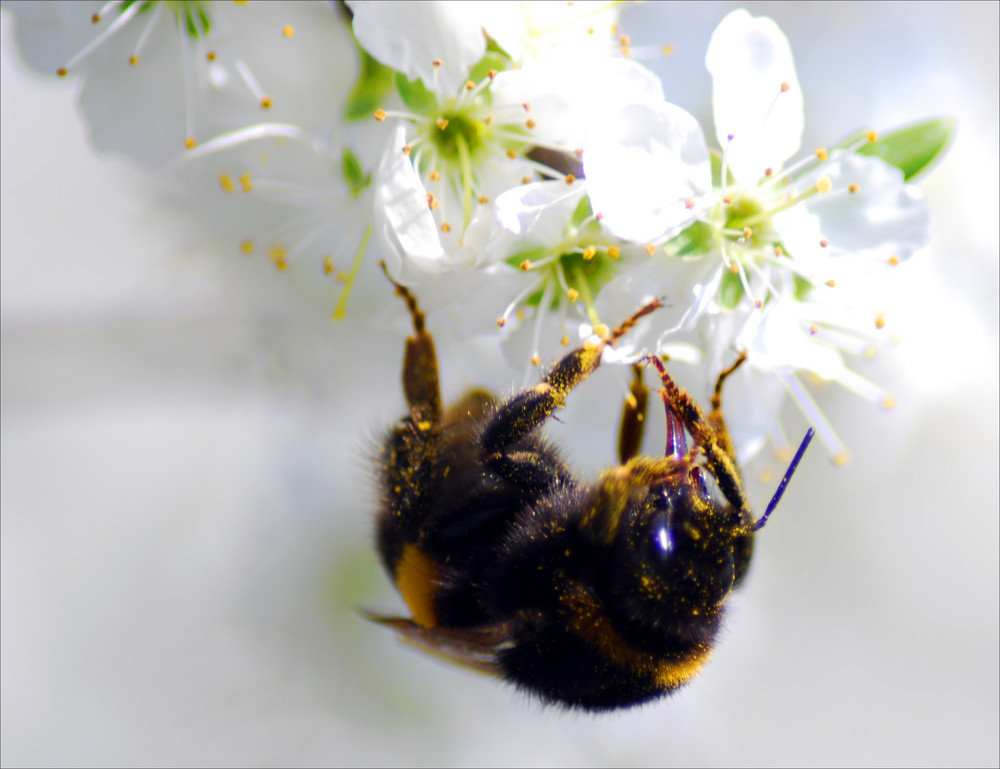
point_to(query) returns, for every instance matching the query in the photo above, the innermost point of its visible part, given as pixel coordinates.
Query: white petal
(403, 220)
(642, 163)
(885, 217)
(775, 341)
(531, 216)
(749, 59)
(409, 37)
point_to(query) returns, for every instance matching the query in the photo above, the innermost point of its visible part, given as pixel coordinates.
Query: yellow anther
(436, 63)
(535, 360)
(822, 154)
(747, 232)
(278, 256)
(227, 182)
(852, 188)
(469, 85)
(210, 56)
(245, 182)
(613, 252)
(406, 149)
(190, 142)
(824, 243)
(95, 19)
(879, 321)
(526, 180)
(602, 330)
(482, 200)
(564, 341)
(246, 247)
(573, 294)
(288, 30)
(888, 402)
(328, 266)
(526, 105)
(61, 72)
(380, 115)
(511, 154)
(894, 261)
(785, 87)
(831, 283)
(589, 252)
(266, 102)
(872, 136)
(445, 227)
(442, 123)
(841, 458)
(824, 184)
(525, 265)
(432, 201)
(778, 251)
(501, 322)
(530, 123)
(570, 178)
(492, 74)
(133, 59)
(650, 249)
(813, 328)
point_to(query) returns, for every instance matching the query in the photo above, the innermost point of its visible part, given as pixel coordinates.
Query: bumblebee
(594, 596)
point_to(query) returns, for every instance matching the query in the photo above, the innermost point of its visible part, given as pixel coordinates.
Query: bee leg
(529, 409)
(715, 415)
(709, 433)
(420, 369)
(633, 417)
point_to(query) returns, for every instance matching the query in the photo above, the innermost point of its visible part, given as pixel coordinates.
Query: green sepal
(715, 158)
(802, 287)
(912, 148)
(370, 89)
(415, 95)
(730, 290)
(582, 212)
(696, 240)
(355, 178)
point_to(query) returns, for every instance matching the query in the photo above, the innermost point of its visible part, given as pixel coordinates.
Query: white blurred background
(186, 505)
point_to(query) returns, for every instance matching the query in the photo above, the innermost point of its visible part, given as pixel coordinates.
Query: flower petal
(403, 220)
(750, 60)
(409, 37)
(642, 163)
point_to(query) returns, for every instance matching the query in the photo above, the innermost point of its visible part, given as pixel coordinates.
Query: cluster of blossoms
(519, 166)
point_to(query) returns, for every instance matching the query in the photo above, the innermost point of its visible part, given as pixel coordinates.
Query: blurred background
(186, 482)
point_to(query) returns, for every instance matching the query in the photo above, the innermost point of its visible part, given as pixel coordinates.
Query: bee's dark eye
(660, 542)
(707, 485)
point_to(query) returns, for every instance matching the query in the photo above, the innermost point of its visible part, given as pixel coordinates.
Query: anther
(535, 360)
(747, 232)
(434, 176)
(288, 30)
(530, 123)
(227, 182)
(406, 149)
(442, 123)
(436, 63)
(380, 115)
(894, 261)
(133, 59)
(501, 322)
(831, 283)
(445, 227)
(328, 266)
(650, 249)
(778, 251)
(245, 182)
(813, 329)
(469, 85)
(511, 154)
(768, 172)
(579, 153)
(879, 321)
(246, 247)
(570, 178)
(190, 143)
(824, 243)
(589, 253)
(573, 294)
(492, 74)
(266, 102)
(61, 72)
(526, 180)
(564, 341)
(822, 154)
(689, 204)
(525, 265)
(872, 136)
(432, 202)
(785, 87)
(210, 56)
(614, 252)
(824, 184)
(95, 19)
(482, 200)
(852, 188)
(526, 105)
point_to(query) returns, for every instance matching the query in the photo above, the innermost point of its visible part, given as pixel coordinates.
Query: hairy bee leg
(619, 487)
(706, 435)
(715, 415)
(529, 409)
(633, 417)
(420, 369)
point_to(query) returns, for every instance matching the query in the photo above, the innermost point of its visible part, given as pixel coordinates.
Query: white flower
(471, 133)
(159, 77)
(771, 237)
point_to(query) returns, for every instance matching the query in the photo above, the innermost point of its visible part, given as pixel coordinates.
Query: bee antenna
(784, 481)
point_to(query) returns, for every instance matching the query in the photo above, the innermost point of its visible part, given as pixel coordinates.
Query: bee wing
(476, 649)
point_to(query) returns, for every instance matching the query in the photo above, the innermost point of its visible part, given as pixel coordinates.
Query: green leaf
(415, 95)
(371, 88)
(912, 148)
(484, 65)
(730, 290)
(354, 174)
